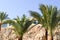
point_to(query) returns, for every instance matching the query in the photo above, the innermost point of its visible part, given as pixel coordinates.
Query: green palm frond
(3, 16)
(20, 26)
(26, 26)
(53, 18)
(44, 10)
(16, 25)
(36, 15)
(49, 16)
(17, 19)
(23, 20)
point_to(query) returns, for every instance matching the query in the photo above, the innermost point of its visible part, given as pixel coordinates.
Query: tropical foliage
(48, 18)
(3, 16)
(20, 25)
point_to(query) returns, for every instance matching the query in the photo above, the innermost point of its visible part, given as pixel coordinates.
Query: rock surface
(56, 33)
(36, 33)
(8, 34)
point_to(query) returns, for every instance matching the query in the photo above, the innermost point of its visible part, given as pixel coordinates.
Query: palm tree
(3, 16)
(20, 25)
(48, 18)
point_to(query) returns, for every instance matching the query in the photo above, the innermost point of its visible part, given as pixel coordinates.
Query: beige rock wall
(7, 34)
(36, 33)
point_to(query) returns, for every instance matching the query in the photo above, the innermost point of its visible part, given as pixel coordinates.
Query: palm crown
(3, 16)
(20, 25)
(48, 18)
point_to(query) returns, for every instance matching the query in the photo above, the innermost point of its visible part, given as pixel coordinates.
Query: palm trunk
(45, 38)
(20, 38)
(0, 27)
(50, 36)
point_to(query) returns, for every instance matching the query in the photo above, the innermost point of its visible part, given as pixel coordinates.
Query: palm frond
(36, 15)
(54, 20)
(3, 16)
(26, 26)
(23, 20)
(20, 26)
(44, 10)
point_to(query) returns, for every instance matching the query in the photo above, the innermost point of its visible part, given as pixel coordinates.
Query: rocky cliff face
(38, 33)
(56, 34)
(8, 34)
(34, 32)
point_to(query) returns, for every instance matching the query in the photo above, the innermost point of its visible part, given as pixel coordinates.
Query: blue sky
(20, 7)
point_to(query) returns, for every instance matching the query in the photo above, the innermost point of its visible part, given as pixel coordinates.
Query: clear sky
(20, 7)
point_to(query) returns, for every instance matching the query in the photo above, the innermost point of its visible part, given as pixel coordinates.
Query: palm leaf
(3, 16)
(26, 26)
(36, 15)
(54, 21)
